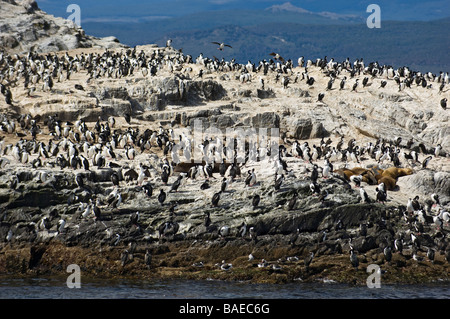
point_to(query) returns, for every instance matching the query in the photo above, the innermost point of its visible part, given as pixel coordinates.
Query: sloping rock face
(24, 28)
(429, 182)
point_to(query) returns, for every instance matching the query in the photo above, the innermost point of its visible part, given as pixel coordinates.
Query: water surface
(56, 288)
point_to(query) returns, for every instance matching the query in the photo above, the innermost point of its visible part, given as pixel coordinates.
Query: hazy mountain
(255, 28)
(400, 10)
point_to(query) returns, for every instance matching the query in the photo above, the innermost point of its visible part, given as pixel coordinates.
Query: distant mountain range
(399, 10)
(254, 30)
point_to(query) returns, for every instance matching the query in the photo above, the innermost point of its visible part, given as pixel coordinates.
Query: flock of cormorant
(79, 145)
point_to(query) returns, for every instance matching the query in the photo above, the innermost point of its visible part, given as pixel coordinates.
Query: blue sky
(109, 9)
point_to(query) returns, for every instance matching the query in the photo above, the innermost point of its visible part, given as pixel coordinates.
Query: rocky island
(101, 164)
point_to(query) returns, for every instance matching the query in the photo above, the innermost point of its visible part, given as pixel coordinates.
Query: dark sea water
(56, 288)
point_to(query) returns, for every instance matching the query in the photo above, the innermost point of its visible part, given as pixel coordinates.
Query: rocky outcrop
(47, 216)
(24, 28)
(429, 182)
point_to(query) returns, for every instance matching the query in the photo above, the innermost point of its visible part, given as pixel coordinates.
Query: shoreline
(105, 264)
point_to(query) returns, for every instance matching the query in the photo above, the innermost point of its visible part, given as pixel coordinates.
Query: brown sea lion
(396, 172)
(369, 178)
(389, 182)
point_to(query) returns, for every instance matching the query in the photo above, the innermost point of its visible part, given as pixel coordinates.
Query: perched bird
(148, 189)
(342, 84)
(363, 229)
(226, 266)
(165, 175)
(255, 201)
(355, 85)
(204, 185)
(444, 103)
(134, 218)
(124, 257)
(387, 251)
(320, 97)
(224, 231)
(364, 197)
(430, 254)
(215, 199)
(162, 196)
(354, 259)
(250, 180)
(293, 201)
(357, 179)
(308, 259)
(224, 184)
(398, 244)
(79, 180)
(314, 174)
(315, 188)
(176, 184)
(381, 195)
(326, 170)
(426, 161)
(409, 206)
(253, 234)
(278, 181)
(62, 225)
(148, 259)
(263, 263)
(9, 236)
(437, 150)
(222, 168)
(416, 204)
(97, 212)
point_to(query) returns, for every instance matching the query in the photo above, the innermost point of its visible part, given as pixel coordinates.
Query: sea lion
(389, 182)
(396, 172)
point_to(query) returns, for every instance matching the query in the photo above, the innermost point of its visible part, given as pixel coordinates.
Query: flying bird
(221, 45)
(276, 56)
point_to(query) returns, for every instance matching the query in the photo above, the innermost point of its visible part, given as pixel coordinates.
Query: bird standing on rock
(355, 85)
(354, 259)
(320, 97)
(308, 260)
(381, 195)
(255, 201)
(364, 197)
(250, 180)
(293, 201)
(148, 259)
(444, 103)
(278, 181)
(162, 197)
(357, 179)
(176, 184)
(224, 184)
(215, 199)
